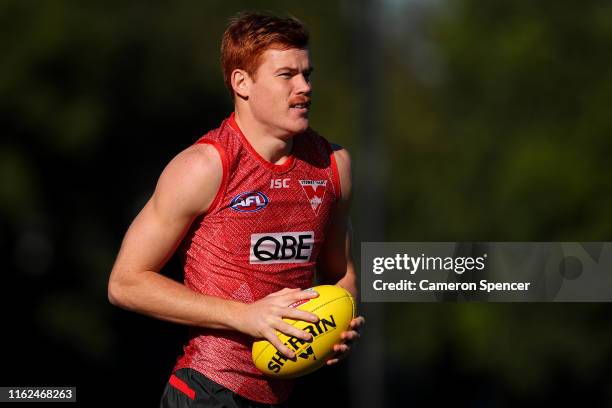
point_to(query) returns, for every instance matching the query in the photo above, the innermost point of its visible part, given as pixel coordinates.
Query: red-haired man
(255, 207)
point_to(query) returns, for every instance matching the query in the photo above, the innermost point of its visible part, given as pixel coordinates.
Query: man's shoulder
(197, 160)
(342, 155)
(191, 179)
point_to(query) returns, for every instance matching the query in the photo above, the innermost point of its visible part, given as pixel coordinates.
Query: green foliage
(508, 142)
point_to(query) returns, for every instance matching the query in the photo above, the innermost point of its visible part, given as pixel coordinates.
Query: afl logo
(251, 201)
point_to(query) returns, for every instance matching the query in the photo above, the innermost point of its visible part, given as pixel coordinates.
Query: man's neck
(273, 148)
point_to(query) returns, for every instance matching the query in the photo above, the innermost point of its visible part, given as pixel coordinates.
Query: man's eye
(286, 75)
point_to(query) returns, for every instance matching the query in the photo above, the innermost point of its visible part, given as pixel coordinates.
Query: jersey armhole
(225, 166)
(334, 167)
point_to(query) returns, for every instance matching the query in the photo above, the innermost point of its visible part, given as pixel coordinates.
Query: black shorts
(188, 388)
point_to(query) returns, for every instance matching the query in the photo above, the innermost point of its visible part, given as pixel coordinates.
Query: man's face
(279, 94)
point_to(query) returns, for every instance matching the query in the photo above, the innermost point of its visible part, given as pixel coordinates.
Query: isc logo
(282, 247)
(251, 201)
(279, 183)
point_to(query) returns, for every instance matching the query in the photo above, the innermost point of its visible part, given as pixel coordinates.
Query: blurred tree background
(495, 120)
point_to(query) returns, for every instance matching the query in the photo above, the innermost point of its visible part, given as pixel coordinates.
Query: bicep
(152, 238)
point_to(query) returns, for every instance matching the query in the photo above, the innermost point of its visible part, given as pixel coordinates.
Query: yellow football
(336, 308)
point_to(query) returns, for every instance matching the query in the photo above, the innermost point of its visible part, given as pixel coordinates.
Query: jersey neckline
(286, 165)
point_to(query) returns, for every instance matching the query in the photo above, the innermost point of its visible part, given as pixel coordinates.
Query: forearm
(155, 295)
(349, 282)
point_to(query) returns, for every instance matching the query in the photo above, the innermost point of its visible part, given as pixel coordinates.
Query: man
(255, 207)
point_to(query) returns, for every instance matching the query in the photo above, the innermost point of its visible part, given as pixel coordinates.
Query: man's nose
(304, 86)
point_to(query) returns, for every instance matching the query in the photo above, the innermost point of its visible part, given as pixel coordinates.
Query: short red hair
(250, 34)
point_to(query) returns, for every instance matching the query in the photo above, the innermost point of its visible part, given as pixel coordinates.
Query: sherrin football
(336, 308)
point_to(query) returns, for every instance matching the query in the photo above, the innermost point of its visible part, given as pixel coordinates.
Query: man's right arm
(185, 190)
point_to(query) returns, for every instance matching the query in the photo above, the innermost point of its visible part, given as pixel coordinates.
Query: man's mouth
(301, 106)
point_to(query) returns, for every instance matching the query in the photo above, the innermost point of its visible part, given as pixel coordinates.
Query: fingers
(351, 335)
(273, 338)
(357, 322)
(290, 331)
(293, 331)
(341, 351)
(304, 295)
(341, 348)
(289, 297)
(297, 314)
(296, 293)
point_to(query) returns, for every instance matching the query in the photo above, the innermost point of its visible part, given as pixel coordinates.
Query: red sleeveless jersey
(262, 233)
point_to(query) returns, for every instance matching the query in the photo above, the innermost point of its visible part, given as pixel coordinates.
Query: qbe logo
(281, 247)
(251, 201)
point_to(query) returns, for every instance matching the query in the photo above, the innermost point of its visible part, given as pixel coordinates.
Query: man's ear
(241, 82)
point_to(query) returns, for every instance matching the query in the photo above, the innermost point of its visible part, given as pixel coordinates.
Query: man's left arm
(335, 263)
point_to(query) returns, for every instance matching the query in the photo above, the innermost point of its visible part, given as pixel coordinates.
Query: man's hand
(348, 337)
(261, 319)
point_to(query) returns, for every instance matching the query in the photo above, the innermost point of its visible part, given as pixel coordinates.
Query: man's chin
(294, 126)
(299, 126)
